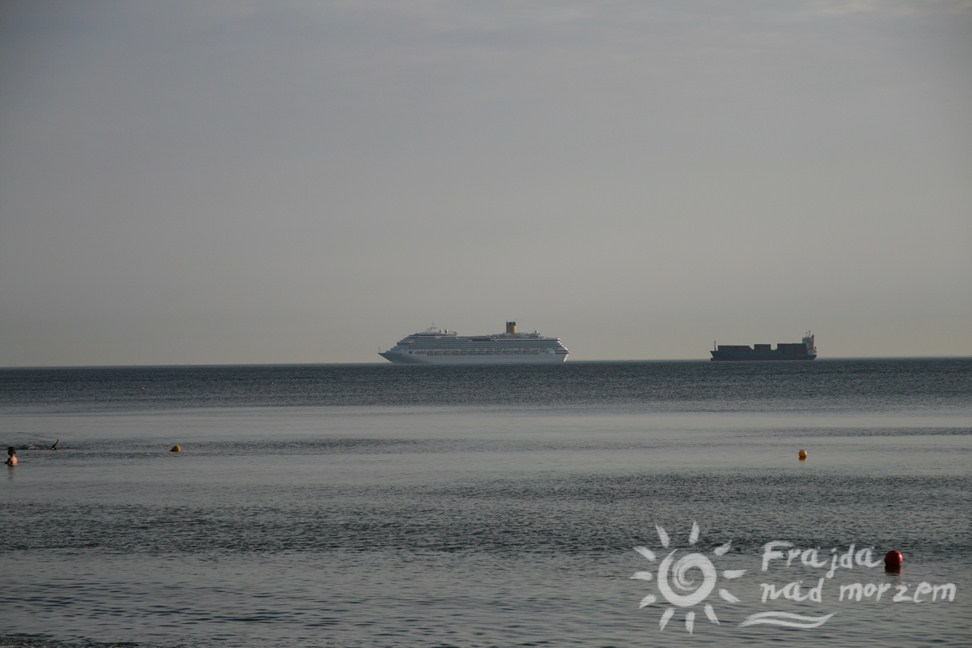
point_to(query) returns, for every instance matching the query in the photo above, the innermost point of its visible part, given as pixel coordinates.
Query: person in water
(11, 456)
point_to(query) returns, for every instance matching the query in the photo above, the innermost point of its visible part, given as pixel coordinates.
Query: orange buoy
(176, 448)
(893, 560)
(803, 455)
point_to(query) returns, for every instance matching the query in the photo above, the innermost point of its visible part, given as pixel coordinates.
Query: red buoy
(893, 560)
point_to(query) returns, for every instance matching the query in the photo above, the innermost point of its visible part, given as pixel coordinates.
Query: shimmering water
(414, 506)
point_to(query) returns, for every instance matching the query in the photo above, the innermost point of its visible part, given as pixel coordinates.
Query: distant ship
(437, 346)
(804, 350)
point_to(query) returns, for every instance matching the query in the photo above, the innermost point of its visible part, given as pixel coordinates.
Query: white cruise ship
(436, 346)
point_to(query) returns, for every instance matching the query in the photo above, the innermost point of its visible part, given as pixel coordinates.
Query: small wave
(785, 619)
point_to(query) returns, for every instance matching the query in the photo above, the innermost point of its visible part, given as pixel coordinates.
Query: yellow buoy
(803, 455)
(176, 448)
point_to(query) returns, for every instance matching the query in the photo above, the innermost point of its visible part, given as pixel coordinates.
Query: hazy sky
(300, 181)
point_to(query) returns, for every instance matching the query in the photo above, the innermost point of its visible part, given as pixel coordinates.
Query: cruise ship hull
(460, 359)
(440, 347)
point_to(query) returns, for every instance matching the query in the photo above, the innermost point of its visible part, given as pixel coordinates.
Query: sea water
(380, 505)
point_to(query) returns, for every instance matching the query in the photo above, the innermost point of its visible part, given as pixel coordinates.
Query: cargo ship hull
(804, 350)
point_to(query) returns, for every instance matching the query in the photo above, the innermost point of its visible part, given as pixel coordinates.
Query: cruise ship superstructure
(439, 346)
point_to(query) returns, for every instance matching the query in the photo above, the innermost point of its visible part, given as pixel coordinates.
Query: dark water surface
(376, 505)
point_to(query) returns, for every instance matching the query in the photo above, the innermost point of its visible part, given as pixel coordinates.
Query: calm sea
(378, 505)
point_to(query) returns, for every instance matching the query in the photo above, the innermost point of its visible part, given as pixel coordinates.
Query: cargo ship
(438, 346)
(804, 350)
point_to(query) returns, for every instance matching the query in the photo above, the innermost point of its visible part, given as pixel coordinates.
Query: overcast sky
(298, 181)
